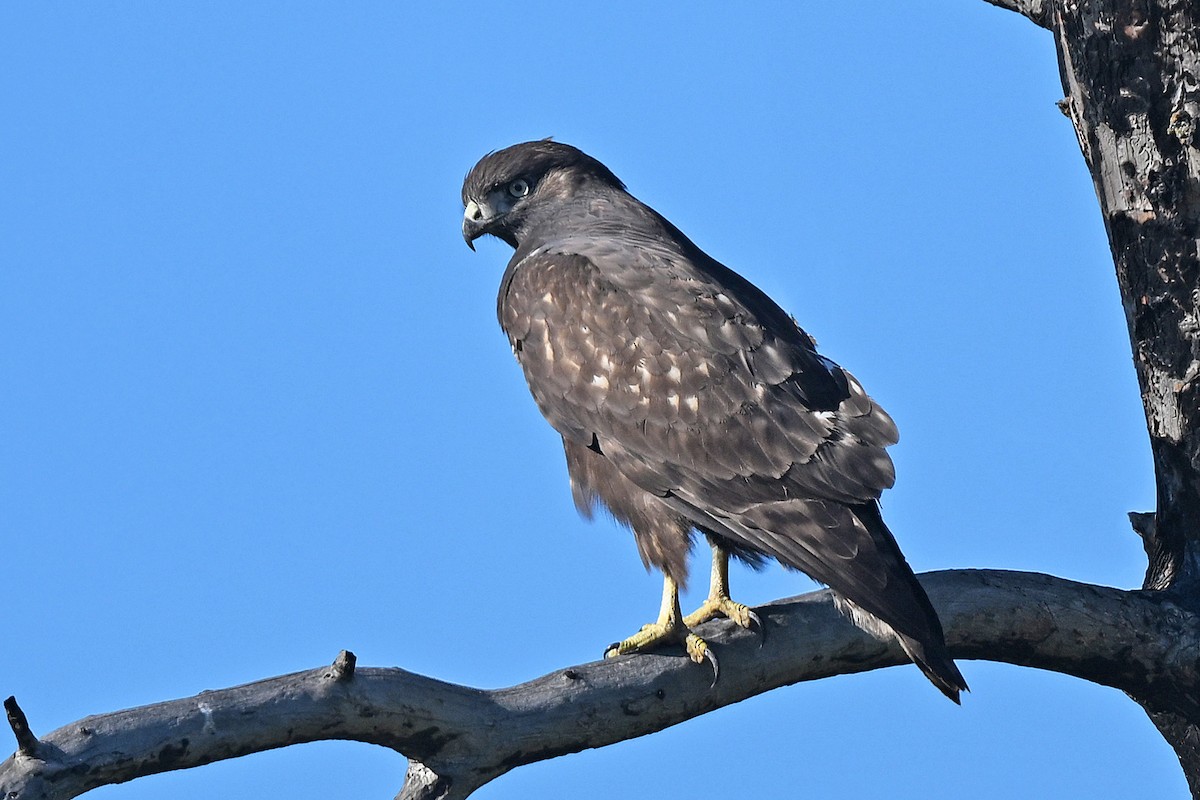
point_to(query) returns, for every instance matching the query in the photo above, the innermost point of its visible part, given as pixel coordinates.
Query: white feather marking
(674, 374)
(673, 400)
(600, 380)
(693, 402)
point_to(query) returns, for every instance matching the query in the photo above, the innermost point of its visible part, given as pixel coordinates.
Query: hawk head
(505, 191)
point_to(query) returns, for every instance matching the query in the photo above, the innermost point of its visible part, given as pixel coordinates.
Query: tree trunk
(1131, 71)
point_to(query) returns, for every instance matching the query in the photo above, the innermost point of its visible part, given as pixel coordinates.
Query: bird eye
(519, 188)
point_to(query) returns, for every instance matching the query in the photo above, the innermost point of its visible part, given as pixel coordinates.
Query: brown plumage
(687, 399)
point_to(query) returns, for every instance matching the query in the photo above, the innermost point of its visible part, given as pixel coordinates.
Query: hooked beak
(475, 220)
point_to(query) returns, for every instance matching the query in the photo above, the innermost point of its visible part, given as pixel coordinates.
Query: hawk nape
(689, 401)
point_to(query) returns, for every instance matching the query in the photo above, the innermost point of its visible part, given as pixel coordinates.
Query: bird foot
(723, 606)
(658, 633)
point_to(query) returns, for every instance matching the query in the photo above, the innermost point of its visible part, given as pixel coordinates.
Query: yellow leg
(669, 629)
(719, 603)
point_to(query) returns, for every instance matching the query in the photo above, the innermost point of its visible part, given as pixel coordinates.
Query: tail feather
(927, 648)
(930, 655)
(937, 666)
(849, 549)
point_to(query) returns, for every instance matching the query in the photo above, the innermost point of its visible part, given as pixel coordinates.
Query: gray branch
(1036, 10)
(27, 743)
(458, 738)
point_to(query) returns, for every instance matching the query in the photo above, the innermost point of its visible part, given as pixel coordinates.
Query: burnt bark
(1131, 73)
(1130, 69)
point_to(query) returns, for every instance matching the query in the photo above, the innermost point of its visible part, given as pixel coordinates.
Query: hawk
(689, 401)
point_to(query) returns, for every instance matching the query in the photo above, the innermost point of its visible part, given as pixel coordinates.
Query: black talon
(612, 647)
(756, 623)
(711, 658)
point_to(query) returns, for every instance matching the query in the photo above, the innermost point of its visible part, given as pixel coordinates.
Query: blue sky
(257, 408)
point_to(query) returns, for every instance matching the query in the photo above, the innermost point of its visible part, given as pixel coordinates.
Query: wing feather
(687, 376)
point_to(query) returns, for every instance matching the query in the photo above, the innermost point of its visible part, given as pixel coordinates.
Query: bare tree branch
(1036, 10)
(26, 742)
(459, 738)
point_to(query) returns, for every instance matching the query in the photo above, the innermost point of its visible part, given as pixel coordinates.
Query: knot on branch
(343, 667)
(422, 783)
